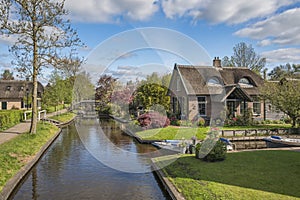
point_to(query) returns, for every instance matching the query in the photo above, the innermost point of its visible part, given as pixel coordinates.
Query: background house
(16, 94)
(206, 91)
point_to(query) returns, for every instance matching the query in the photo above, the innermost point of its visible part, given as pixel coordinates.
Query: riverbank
(19, 155)
(243, 175)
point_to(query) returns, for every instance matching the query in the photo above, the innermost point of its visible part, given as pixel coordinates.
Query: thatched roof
(16, 89)
(196, 78)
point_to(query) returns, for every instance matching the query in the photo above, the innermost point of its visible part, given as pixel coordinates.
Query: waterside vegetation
(15, 153)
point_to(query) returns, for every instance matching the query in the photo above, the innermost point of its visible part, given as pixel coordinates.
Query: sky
(132, 38)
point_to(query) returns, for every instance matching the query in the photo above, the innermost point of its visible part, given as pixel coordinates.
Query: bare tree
(44, 37)
(245, 56)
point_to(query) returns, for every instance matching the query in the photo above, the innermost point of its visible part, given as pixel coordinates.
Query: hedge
(9, 118)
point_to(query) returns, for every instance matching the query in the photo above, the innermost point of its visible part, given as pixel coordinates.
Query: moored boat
(277, 141)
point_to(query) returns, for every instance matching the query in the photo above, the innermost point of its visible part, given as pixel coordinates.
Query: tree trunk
(34, 119)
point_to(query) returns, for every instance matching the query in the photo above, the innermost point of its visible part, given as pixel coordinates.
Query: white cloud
(110, 10)
(223, 11)
(284, 55)
(8, 40)
(282, 29)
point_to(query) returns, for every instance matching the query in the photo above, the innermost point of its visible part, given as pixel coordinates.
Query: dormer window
(214, 82)
(245, 83)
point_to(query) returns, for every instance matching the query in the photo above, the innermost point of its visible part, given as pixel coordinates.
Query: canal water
(80, 164)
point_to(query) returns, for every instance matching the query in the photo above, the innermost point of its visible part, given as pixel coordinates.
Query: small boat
(277, 141)
(173, 145)
(229, 145)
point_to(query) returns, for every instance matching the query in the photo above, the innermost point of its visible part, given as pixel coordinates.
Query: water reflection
(69, 171)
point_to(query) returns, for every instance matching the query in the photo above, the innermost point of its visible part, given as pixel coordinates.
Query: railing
(254, 132)
(25, 114)
(39, 114)
(44, 116)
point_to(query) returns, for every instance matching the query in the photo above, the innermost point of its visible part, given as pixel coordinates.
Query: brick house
(16, 94)
(206, 91)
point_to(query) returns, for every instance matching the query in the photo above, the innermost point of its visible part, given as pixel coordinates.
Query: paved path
(23, 127)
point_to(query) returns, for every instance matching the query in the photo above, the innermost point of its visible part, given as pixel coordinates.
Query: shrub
(174, 121)
(9, 118)
(218, 153)
(201, 122)
(153, 120)
(185, 123)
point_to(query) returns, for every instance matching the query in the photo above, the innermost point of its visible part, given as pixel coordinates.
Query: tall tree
(285, 96)
(283, 71)
(245, 56)
(7, 75)
(44, 35)
(104, 90)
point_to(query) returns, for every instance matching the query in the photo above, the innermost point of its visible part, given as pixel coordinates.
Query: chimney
(217, 62)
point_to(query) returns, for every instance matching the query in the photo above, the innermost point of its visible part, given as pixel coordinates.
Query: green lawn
(244, 175)
(15, 153)
(173, 132)
(65, 117)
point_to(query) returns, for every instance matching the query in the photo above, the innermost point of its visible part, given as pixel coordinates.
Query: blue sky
(271, 26)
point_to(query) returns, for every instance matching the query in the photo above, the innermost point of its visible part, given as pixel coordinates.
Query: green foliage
(36, 48)
(15, 153)
(7, 75)
(51, 109)
(218, 153)
(246, 119)
(284, 96)
(151, 94)
(283, 71)
(201, 122)
(65, 117)
(9, 118)
(104, 91)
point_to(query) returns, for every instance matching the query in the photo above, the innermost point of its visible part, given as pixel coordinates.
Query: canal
(93, 160)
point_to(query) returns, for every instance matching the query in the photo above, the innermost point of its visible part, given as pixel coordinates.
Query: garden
(155, 126)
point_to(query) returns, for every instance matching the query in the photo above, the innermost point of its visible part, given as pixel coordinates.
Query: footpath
(22, 127)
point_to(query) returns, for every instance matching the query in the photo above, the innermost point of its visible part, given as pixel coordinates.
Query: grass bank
(65, 117)
(244, 175)
(174, 132)
(15, 153)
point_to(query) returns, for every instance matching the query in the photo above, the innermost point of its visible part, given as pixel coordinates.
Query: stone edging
(14, 181)
(168, 185)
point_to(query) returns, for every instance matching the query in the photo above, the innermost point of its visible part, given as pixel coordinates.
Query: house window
(202, 106)
(4, 105)
(243, 107)
(8, 88)
(256, 107)
(245, 83)
(214, 82)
